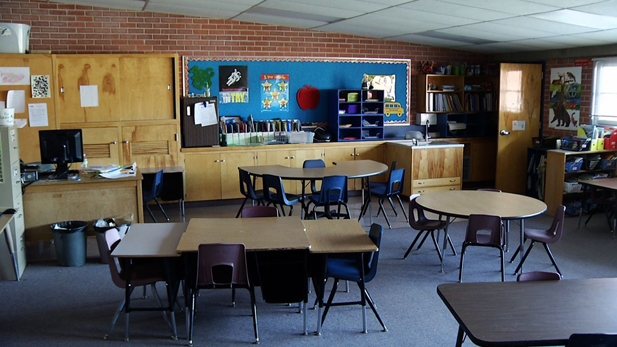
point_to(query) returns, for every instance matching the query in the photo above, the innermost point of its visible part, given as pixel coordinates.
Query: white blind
(604, 98)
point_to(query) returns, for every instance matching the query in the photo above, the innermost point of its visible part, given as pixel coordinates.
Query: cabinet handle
(421, 191)
(176, 137)
(114, 143)
(222, 161)
(421, 182)
(452, 180)
(352, 154)
(357, 154)
(125, 142)
(452, 188)
(169, 87)
(62, 90)
(217, 161)
(293, 157)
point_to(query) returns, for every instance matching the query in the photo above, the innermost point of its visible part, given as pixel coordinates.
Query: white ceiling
(483, 26)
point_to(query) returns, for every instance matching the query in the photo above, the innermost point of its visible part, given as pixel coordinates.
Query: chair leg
(516, 252)
(400, 202)
(363, 304)
(172, 325)
(371, 303)
(150, 212)
(241, 207)
(460, 271)
(451, 245)
(116, 315)
(550, 254)
(254, 309)
(413, 243)
(161, 207)
(330, 298)
(291, 209)
(435, 243)
(520, 265)
(381, 208)
(503, 266)
(393, 208)
(422, 242)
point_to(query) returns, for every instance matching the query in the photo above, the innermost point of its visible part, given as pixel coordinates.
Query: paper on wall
(89, 96)
(16, 99)
(38, 115)
(14, 75)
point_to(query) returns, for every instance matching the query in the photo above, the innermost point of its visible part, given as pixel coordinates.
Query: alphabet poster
(565, 100)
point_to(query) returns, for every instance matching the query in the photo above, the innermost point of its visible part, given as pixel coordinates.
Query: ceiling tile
(277, 20)
(518, 7)
(606, 8)
(565, 3)
(334, 9)
(412, 15)
(430, 41)
(580, 18)
(455, 10)
(514, 32)
(543, 25)
(481, 34)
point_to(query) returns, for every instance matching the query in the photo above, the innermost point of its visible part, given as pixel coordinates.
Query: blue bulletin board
(325, 74)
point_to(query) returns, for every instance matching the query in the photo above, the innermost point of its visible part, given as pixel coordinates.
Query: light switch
(518, 125)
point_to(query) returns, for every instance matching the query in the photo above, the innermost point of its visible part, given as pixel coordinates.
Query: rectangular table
(602, 183)
(152, 240)
(541, 313)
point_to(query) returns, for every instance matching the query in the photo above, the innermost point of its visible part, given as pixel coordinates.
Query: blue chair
(394, 187)
(248, 190)
(274, 193)
(313, 164)
(333, 192)
(152, 193)
(351, 269)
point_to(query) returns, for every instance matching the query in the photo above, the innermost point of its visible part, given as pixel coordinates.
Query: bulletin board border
(407, 62)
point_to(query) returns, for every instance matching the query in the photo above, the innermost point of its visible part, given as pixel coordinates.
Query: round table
(462, 203)
(363, 169)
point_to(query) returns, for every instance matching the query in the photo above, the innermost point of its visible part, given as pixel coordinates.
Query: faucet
(426, 136)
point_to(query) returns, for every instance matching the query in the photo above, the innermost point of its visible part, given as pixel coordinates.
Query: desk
(463, 203)
(604, 183)
(7, 269)
(363, 169)
(331, 237)
(152, 240)
(47, 202)
(173, 183)
(542, 313)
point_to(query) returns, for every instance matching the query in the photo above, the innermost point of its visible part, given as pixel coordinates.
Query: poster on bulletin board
(321, 74)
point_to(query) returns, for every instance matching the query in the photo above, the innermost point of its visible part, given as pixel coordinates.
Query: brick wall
(66, 28)
(586, 92)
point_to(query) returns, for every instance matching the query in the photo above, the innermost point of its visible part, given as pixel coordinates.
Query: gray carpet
(64, 306)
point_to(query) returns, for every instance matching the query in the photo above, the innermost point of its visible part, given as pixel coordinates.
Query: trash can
(70, 242)
(101, 226)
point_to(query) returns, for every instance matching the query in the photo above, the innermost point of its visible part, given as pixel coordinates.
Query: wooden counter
(47, 202)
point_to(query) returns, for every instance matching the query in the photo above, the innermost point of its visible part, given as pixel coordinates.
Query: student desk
(541, 313)
(91, 198)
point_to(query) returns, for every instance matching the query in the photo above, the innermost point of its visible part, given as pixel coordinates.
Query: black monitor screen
(61, 147)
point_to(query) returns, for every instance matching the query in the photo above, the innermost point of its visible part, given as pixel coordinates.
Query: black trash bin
(101, 226)
(70, 242)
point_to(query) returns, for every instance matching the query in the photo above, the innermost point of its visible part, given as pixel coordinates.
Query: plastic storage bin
(574, 165)
(572, 186)
(70, 242)
(607, 164)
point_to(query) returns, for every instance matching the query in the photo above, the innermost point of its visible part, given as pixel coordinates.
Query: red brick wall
(65, 28)
(586, 91)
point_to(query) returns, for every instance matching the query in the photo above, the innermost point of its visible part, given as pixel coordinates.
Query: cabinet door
(483, 161)
(101, 145)
(230, 180)
(97, 71)
(147, 84)
(203, 176)
(298, 157)
(339, 154)
(437, 163)
(375, 153)
(150, 145)
(283, 158)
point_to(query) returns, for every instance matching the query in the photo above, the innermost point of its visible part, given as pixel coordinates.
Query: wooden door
(230, 180)
(147, 84)
(97, 71)
(203, 176)
(520, 107)
(101, 145)
(150, 145)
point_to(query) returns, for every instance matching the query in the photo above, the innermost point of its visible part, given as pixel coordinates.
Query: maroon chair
(259, 211)
(418, 221)
(546, 237)
(476, 236)
(145, 272)
(538, 276)
(221, 265)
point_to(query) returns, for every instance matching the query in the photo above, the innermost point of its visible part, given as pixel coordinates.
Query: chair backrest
(592, 340)
(556, 228)
(259, 211)
(489, 190)
(112, 239)
(396, 182)
(333, 189)
(393, 165)
(246, 185)
(221, 264)
(371, 260)
(313, 163)
(538, 276)
(482, 223)
(416, 215)
(149, 193)
(274, 190)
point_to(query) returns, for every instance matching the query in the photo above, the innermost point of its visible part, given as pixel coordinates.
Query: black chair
(333, 192)
(538, 276)
(350, 269)
(603, 201)
(476, 236)
(426, 227)
(394, 187)
(247, 189)
(274, 193)
(152, 193)
(592, 340)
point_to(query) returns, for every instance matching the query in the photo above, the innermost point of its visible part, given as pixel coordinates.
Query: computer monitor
(61, 147)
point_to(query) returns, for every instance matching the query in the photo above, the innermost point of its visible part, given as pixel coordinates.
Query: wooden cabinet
(153, 145)
(556, 174)
(483, 160)
(101, 145)
(428, 168)
(128, 87)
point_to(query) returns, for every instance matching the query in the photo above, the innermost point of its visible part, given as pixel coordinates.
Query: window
(604, 98)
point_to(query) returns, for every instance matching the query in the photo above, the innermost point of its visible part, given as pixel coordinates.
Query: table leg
(460, 336)
(445, 241)
(366, 184)
(303, 212)
(522, 246)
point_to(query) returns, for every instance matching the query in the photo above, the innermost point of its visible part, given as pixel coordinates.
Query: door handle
(504, 132)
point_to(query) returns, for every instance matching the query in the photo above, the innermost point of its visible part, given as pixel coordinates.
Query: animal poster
(565, 101)
(274, 92)
(387, 83)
